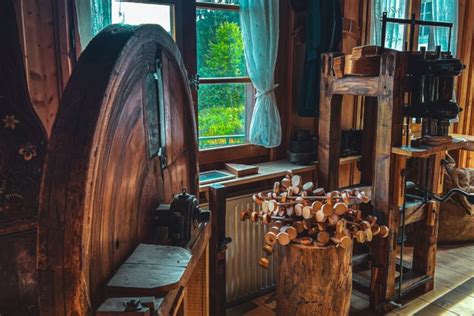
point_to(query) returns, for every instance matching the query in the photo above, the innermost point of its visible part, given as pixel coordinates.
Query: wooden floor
(453, 293)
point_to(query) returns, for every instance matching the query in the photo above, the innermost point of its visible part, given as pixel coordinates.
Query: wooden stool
(314, 280)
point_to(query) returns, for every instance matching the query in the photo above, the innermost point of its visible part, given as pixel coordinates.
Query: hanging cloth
(259, 20)
(323, 34)
(92, 17)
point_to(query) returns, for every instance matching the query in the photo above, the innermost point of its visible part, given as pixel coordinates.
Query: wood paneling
(22, 152)
(465, 85)
(48, 54)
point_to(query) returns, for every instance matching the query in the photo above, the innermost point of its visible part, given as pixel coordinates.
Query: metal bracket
(158, 75)
(194, 81)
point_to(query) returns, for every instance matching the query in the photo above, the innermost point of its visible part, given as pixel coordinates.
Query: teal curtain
(259, 20)
(92, 17)
(445, 11)
(395, 33)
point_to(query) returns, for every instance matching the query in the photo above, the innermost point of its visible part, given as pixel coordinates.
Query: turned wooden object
(314, 280)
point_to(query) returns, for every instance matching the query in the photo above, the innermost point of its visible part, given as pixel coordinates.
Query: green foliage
(220, 54)
(225, 55)
(221, 120)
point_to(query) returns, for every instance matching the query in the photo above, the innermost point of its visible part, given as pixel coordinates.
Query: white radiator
(244, 277)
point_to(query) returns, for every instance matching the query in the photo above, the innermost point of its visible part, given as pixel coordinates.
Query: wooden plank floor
(453, 293)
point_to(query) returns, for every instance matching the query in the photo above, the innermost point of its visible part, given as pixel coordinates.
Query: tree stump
(314, 280)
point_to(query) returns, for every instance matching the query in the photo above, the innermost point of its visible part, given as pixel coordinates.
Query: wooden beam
(329, 147)
(217, 277)
(365, 86)
(367, 163)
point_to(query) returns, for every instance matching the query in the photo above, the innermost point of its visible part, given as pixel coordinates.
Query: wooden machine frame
(383, 166)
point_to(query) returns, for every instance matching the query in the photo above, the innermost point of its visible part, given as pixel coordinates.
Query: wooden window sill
(230, 153)
(273, 169)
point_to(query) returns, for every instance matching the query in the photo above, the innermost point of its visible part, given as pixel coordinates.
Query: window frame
(414, 6)
(186, 38)
(205, 153)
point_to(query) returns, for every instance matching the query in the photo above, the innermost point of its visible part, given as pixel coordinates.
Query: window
(442, 11)
(225, 95)
(395, 33)
(135, 13)
(429, 10)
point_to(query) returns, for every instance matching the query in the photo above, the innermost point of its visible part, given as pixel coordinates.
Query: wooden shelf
(425, 151)
(157, 270)
(274, 169)
(468, 138)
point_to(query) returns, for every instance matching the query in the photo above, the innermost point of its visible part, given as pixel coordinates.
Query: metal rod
(412, 31)
(449, 38)
(419, 22)
(400, 278)
(384, 30)
(408, 130)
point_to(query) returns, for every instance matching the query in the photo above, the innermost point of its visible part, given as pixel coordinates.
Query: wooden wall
(49, 50)
(355, 12)
(465, 85)
(47, 32)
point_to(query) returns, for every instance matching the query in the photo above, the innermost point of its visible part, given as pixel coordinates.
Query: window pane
(220, 1)
(395, 33)
(222, 114)
(142, 13)
(442, 11)
(220, 48)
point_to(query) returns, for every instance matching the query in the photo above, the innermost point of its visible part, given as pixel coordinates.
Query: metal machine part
(174, 223)
(430, 81)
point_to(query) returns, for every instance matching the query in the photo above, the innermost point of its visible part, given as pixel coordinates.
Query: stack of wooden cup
(300, 213)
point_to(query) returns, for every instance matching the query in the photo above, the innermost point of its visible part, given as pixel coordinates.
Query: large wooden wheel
(103, 175)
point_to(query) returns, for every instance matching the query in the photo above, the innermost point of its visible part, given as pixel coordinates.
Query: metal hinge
(194, 81)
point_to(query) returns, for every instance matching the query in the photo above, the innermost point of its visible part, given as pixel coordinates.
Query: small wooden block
(340, 208)
(270, 238)
(283, 238)
(307, 212)
(296, 181)
(320, 216)
(299, 227)
(240, 170)
(316, 206)
(327, 209)
(363, 66)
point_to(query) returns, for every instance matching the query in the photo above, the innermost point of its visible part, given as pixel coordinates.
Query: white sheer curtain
(395, 33)
(445, 11)
(92, 17)
(260, 27)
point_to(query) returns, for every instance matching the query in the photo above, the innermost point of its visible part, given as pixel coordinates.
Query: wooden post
(389, 134)
(217, 295)
(314, 280)
(329, 147)
(368, 141)
(426, 231)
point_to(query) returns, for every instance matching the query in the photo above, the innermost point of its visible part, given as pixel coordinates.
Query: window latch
(194, 81)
